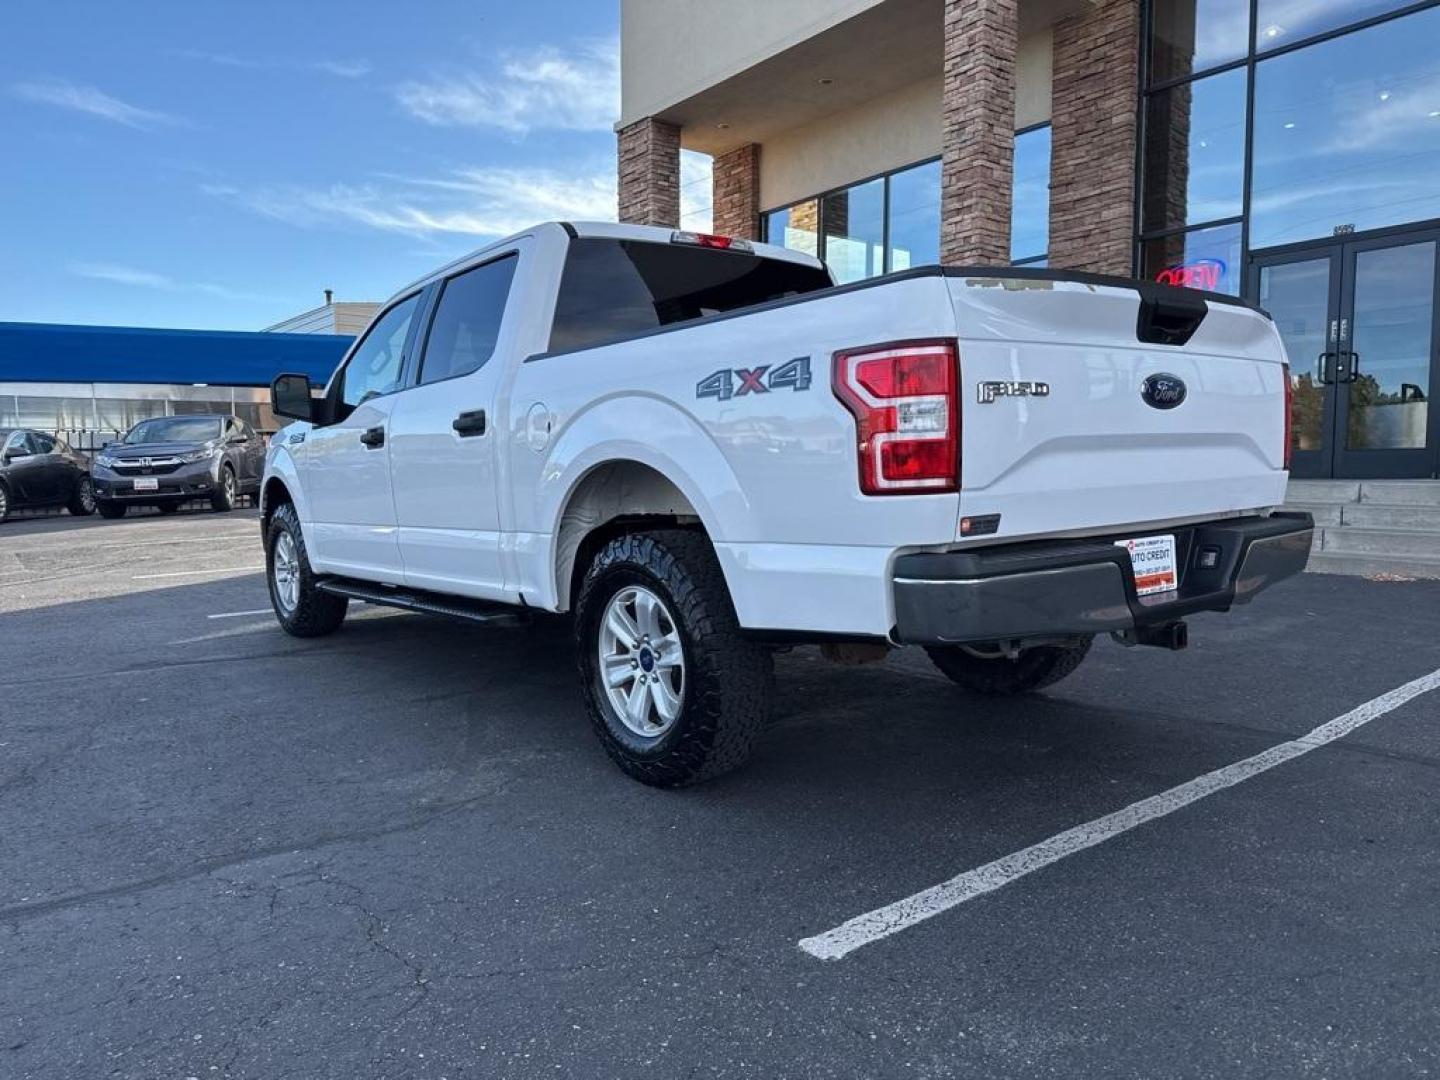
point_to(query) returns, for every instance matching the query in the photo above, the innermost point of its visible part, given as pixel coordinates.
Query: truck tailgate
(1059, 433)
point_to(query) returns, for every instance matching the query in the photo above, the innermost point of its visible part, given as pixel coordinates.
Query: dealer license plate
(1153, 560)
(146, 483)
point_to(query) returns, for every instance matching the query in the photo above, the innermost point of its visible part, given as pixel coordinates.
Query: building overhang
(882, 49)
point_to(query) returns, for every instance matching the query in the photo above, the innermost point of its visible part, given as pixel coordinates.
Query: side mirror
(290, 397)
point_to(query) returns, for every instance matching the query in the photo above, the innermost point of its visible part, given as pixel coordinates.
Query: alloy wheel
(642, 662)
(285, 572)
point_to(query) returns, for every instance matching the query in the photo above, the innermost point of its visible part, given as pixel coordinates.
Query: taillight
(1289, 416)
(907, 420)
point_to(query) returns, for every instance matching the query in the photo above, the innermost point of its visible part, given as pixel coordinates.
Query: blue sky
(218, 164)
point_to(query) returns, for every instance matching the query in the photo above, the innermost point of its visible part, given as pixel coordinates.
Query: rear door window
(467, 320)
(613, 289)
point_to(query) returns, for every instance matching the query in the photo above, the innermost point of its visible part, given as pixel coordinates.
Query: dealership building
(1282, 150)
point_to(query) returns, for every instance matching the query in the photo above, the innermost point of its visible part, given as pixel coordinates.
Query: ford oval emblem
(1163, 391)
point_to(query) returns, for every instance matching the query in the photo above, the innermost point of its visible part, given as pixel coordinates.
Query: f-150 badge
(989, 391)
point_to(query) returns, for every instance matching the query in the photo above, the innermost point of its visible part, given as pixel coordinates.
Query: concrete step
(1383, 516)
(1324, 562)
(1323, 491)
(1398, 542)
(1401, 492)
(1324, 513)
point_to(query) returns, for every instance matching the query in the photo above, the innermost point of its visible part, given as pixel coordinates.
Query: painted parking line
(240, 614)
(903, 914)
(192, 573)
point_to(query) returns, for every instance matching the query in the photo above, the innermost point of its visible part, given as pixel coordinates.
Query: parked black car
(168, 460)
(37, 469)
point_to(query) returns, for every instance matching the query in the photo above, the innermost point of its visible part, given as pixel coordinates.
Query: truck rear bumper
(1067, 588)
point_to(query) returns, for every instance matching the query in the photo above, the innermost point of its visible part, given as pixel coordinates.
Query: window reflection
(1347, 133)
(1030, 206)
(1191, 36)
(1284, 22)
(1394, 307)
(915, 217)
(854, 224)
(1297, 296)
(1200, 259)
(1195, 151)
(795, 227)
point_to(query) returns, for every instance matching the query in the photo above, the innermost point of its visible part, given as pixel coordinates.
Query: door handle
(1352, 369)
(374, 438)
(469, 424)
(1327, 368)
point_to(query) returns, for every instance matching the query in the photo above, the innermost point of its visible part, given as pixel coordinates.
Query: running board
(483, 612)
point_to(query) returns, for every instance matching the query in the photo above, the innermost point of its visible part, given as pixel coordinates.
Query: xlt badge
(989, 391)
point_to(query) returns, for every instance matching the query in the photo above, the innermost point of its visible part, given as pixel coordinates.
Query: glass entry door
(1359, 322)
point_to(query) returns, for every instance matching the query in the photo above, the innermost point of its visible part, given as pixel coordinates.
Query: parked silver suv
(168, 460)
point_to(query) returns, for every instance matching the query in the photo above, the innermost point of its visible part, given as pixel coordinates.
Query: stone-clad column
(649, 159)
(736, 190)
(978, 131)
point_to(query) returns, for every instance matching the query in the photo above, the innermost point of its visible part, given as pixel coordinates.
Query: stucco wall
(887, 132)
(674, 48)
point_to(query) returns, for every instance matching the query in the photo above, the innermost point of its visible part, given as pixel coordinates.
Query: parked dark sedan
(37, 469)
(168, 460)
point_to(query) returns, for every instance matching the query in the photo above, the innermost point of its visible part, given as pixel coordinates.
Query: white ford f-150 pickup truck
(706, 451)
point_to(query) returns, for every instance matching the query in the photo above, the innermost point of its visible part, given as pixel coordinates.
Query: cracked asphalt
(399, 851)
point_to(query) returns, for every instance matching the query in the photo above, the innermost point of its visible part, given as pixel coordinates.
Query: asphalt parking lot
(400, 852)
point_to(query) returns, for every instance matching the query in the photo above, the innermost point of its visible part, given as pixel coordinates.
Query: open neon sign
(1200, 274)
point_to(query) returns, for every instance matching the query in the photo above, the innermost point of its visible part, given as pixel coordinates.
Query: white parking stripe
(192, 573)
(239, 614)
(902, 914)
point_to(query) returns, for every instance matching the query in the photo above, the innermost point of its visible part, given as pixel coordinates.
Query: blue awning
(42, 352)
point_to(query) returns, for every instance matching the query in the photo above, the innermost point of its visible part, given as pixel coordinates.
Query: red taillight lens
(710, 240)
(907, 417)
(1289, 417)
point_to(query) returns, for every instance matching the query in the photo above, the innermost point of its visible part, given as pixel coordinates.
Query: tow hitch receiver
(1173, 636)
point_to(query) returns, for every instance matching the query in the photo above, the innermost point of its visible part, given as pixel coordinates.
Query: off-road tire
(82, 499)
(315, 613)
(729, 680)
(223, 500)
(110, 509)
(1033, 669)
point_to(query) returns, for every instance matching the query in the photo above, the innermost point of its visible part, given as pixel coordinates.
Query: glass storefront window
(1347, 133)
(1191, 36)
(1195, 151)
(854, 224)
(1284, 22)
(795, 227)
(1030, 205)
(1199, 259)
(915, 217)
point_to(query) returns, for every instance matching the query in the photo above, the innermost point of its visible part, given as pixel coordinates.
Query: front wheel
(1033, 669)
(301, 608)
(674, 691)
(223, 501)
(82, 501)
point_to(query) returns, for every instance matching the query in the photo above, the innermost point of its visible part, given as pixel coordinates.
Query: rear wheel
(1033, 669)
(223, 500)
(82, 501)
(4, 502)
(676, 694)
(301, 608)
(111, 509)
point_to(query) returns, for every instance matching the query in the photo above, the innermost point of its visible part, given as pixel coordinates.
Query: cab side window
(376, 365)
(41, 444)
(467, 320)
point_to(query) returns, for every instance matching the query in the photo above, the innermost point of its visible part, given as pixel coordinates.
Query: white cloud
(470, 202)
(343, 69)
(148, 279)
(95, 102)
(541, 89)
